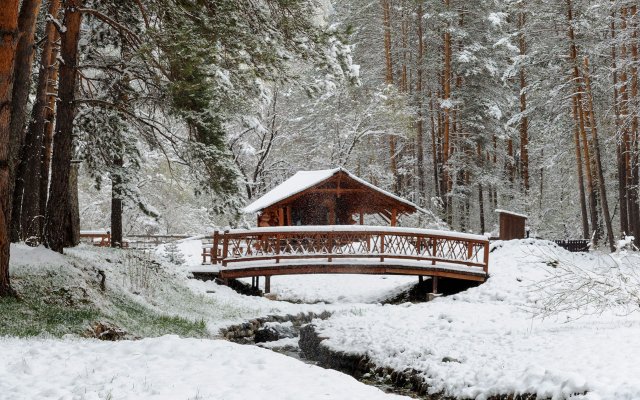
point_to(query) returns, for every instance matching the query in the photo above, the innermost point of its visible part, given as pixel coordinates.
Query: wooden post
(469, 250)
(225, 248)
(394, 217)
(214, 248)
(289, 221)
(330, 246)
(420, 279)
(277, 248)
(281, 216)
(267, 284)
(486, 257)
(434, 288)
(332, 213)
(382, 247)
(361, 218)
(434, 251)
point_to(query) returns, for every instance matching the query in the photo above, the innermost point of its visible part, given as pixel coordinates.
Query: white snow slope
(491, 340)
(165, 368)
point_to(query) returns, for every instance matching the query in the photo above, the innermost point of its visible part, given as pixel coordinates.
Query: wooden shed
(512, 225)
(327, 197)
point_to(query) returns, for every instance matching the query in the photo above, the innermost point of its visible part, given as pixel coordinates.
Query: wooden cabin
(327, 197)
(512, 225)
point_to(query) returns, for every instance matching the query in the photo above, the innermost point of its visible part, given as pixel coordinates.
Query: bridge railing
(349, 242)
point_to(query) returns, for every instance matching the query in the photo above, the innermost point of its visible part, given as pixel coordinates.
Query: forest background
(166, 116)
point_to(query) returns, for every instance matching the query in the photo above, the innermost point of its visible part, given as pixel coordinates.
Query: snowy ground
(168, 368)
(488, 340)
(492, 339)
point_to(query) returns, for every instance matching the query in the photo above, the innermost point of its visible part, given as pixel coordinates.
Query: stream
(282, 334)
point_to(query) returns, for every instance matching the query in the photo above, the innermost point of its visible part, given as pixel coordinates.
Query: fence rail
(103, 239)
(574, 245)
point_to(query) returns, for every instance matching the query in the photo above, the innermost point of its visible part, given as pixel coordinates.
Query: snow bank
(165, 368)
(486, 340)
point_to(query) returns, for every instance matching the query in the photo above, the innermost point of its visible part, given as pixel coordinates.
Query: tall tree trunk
(420, 123)
(597, 156)
(72, 219)
(386, 22)
(446, 97)
(583, 202)
(434, 147)
(30, 167)
(581, 121)
(511, 170)
(47, 137)
(634, 195)
(524, 121)
(116, 201)
(21, 85)
(57, 207)
(8, 42)
(622, 180)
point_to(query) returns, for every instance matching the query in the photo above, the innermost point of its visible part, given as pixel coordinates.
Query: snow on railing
(349, 242)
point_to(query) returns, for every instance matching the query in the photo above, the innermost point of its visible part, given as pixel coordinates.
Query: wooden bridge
(346, 249)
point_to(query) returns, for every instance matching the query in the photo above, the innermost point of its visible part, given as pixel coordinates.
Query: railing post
(225, 247)
(469, 250)
(382, 247)
(330, 246)
(214, 248)
(486, 257)
(267, 284)
(277, 248)
(434, 250)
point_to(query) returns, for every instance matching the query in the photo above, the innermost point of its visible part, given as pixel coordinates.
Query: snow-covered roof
(499, 211)
(303, 180)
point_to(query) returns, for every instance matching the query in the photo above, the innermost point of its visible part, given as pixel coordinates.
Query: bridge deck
(351, 266)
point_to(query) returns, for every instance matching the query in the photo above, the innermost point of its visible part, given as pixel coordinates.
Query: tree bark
(622, 180)
(581, 121)
(634, 195)
(446, 97)
(524, 121)
(420, 123)
(583, 202)
(57, 204)
(28, 202)
(386, 22)
(8, 42)
(49, 123)
(72, 222)
(598, 158)
(116, 202)
(22, 75)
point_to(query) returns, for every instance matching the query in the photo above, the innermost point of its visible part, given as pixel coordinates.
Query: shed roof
(303, 180)
(515, 214)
